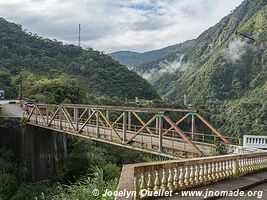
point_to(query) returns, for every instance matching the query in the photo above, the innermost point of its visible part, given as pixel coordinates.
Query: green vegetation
(88, 165)
(6, 83)
(13, 184)
(50, 71)
(144, 61)
(84, 188)
(224, 73)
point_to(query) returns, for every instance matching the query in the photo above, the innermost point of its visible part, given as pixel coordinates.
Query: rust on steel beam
(213, 129)
(142, 128)
(177, 123)
(125, 108)
(183, 136)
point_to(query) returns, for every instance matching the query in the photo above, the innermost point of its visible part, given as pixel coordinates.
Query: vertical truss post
(157, 125)
(36, 113)
(124, 126)
(89, 112)
(160, 125)
(193, 124)
(107, 115)
(76, 117)
(97, 123)
(129, 120)
(60, 118)
(47, 114)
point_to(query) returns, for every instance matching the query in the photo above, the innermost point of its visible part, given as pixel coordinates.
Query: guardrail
(156, 177)
(255, 141)
(235, 149)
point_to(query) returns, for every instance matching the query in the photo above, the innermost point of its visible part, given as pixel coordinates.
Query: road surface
(11, 110)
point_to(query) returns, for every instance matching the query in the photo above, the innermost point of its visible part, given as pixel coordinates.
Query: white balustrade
(184, 174)
(255, 141)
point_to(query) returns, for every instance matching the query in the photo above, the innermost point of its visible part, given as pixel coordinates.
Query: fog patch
(149, 74)
(166, 68)
(236, 49)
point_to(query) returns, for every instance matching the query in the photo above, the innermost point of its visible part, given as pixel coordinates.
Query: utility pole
(20, 85)
(79, 41)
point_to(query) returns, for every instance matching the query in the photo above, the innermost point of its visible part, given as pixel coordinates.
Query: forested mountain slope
(228, 74)
(136, 60)
(48, 70)
(225, 72)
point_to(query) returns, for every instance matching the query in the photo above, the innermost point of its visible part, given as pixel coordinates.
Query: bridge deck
(172, 147)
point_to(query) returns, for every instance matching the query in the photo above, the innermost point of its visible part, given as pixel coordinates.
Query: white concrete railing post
(255, 141)
(184, 174)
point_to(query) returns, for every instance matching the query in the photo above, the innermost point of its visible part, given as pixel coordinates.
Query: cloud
(166, 68)
(112, 25)
(236, 49)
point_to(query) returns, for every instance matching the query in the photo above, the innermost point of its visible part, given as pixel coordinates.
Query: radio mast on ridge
(79, 41)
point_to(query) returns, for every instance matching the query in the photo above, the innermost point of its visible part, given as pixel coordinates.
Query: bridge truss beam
(150, 129)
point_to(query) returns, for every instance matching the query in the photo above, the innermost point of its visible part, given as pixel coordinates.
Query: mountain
(135, 59)
(50, 71)
(222, 71)
(227, 73)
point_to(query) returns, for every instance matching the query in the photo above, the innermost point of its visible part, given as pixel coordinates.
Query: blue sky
(112, 25)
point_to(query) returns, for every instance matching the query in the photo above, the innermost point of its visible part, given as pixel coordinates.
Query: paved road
(236, 185)
(257, 192)
(11, 110)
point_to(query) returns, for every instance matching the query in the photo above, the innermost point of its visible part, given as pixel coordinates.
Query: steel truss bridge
(172, 133)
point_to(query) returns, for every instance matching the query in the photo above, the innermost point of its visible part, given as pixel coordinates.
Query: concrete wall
(39, 150)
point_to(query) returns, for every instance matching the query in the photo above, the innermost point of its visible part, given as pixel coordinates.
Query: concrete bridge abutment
(40, 151)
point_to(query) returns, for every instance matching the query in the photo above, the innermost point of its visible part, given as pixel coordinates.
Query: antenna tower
(79, 41)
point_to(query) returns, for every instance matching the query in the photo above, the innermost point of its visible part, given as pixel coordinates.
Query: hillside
(50, 71)
(222, 71)
(136, 60)
(230, 77)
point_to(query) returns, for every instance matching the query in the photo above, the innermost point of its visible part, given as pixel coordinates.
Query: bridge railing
(255, 141)
(184, 174)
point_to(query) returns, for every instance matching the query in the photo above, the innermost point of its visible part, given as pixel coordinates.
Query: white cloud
(112, 25)
(166, 67)
(236, 49)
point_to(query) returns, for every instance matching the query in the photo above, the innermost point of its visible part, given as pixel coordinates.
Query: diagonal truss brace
(108, 123)
(212, 128)
(141, 121)
(182, 135)
(177, 123)
(142, 128)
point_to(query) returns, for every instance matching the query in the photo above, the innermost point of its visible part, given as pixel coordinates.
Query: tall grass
(83, 189)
